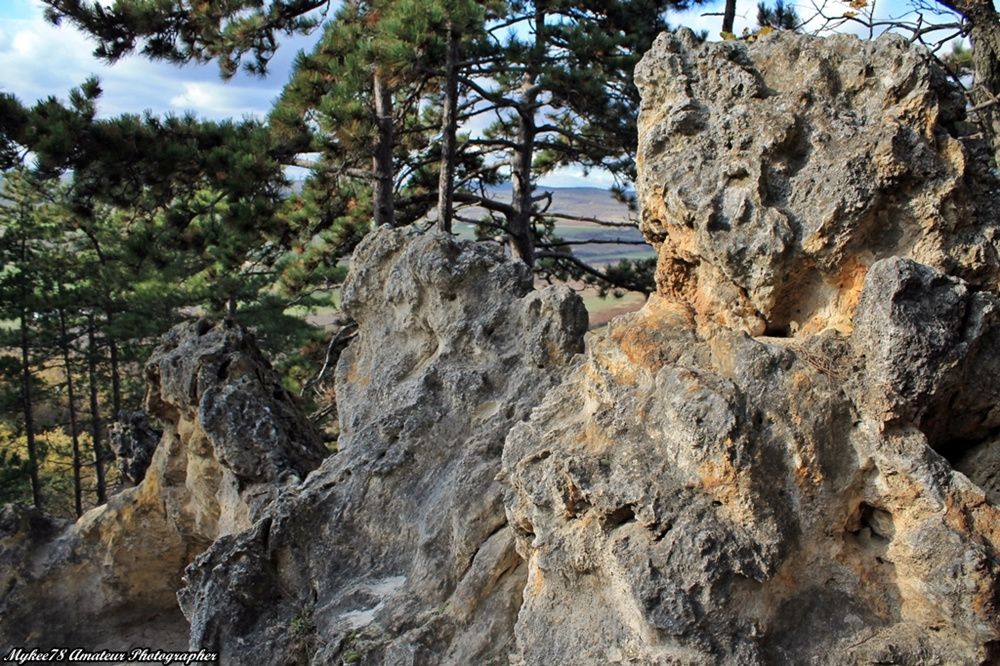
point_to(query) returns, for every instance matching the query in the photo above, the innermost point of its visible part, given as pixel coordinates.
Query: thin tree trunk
(116, 381)
(95, 416)
(71, 399)
(29, 416)
(382, 186)
(522, 245)
(449, 132)
(729, 16)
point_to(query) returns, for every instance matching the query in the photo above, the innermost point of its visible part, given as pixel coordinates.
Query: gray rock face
(397, 550)
(133, 442)
(694, 495)
(680, 493)
(751, 514)
(932, 350)
(232, 437)
(773, 174)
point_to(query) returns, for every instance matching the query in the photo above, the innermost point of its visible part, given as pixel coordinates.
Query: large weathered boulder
(773, 174)
(233, 436)
(687, 491)
(695, 495)
(397, 550)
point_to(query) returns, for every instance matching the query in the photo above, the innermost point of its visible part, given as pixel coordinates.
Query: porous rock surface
(695, 495)
(771, 175)
(788, 456)
(397, 550)
(233, 437)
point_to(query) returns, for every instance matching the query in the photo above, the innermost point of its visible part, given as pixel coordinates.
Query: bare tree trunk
(522, 244)
(729, 16)
(95, 416)
(449, 132)
(116, 381)
(382, 186)
(29, 414)
(71, 399)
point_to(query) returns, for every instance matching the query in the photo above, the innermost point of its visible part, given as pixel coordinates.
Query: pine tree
(27, 234)
(557, 75)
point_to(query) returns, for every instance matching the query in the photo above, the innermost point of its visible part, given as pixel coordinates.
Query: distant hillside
(582, 202)
(585, 202)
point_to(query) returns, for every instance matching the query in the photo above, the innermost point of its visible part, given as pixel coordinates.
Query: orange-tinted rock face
(789, 497)
(232, 438)
(772, 175)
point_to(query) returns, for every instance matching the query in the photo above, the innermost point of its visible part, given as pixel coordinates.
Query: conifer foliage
(413, 108)
(404, 112)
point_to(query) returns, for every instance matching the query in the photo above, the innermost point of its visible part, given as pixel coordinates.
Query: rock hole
(954, 450)
(778, 331)
(509, 413)
(878, 522)
(620, 516)
(449, 296)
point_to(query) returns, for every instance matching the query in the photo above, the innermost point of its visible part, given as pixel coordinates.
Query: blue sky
(38, 60)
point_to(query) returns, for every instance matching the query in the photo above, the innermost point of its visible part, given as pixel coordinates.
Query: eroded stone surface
(725, 501)
(233, 436)
(683, 492)
(397, 550)
(772, 175)
(717, 498)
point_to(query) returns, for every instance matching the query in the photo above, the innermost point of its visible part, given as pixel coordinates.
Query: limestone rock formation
(397, 550)
(695, 495)
(233, 436)
(133, 441)
(788, 456)
(773, 174)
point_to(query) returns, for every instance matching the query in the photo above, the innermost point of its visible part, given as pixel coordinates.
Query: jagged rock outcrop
(773, 174)
(397, 550)
(695, 495)
(233, 436)
(133, 441)
(788, 456)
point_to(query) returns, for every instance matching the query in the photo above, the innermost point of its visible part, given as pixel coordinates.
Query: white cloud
(219, 100)
(197, 96)
(38, 60)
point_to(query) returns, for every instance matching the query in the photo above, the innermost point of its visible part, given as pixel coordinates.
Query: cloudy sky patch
(39, 60)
